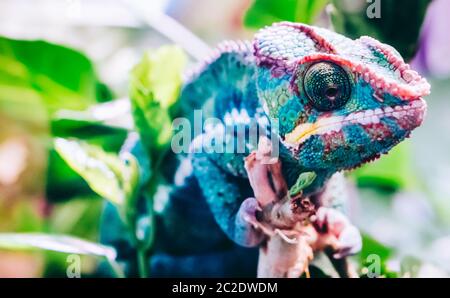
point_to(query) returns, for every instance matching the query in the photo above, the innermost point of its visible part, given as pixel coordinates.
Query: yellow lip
(305, 130)
(301, 132)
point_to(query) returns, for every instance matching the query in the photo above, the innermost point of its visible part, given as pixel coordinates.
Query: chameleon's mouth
(407, 116)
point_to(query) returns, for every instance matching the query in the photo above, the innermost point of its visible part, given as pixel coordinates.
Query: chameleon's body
(337, 102)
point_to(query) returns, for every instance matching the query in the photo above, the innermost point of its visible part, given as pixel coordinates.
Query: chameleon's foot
(247, 211)
(249, 231)
(336, 232)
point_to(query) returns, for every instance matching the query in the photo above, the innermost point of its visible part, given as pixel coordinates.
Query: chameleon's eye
(327, 86)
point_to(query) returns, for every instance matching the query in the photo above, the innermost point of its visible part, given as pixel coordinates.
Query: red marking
(332, 141)
(409, 122)
(378, 131)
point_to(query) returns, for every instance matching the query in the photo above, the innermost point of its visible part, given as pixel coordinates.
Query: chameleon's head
(339, 102)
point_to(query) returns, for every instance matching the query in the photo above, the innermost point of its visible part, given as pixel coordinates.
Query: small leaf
(154, 88)
(158, 76)
(303, 181)
(106, 174)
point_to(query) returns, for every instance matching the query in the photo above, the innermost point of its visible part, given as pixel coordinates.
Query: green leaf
(108, 175)
(303, 181)
(59, 243)
(154, 88)
(266, 12)
(391, 171)
(406, 16)
(37, 78)
(105, 124)
(158, 76)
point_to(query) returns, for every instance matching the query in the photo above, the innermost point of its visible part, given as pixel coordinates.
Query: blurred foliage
(63, 183)
(73, 125)
(266, 12)
(39, 77)
(154, 87)
(398, 25)
(37, 80)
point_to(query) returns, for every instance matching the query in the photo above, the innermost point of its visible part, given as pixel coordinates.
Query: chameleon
(337, 103)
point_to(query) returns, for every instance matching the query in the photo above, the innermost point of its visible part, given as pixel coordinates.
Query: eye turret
(327, 86)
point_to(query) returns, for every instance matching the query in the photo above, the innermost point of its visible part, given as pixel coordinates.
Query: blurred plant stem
(154, 89)
(142, 263)
(170, 28)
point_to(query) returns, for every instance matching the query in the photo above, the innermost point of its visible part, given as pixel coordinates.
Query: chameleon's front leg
(223, 192)
(336, 232)
(338, 238)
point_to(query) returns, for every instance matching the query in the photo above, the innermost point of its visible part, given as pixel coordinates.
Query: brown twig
(291, 238)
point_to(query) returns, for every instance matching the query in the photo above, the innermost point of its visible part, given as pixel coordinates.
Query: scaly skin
(338, 103)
